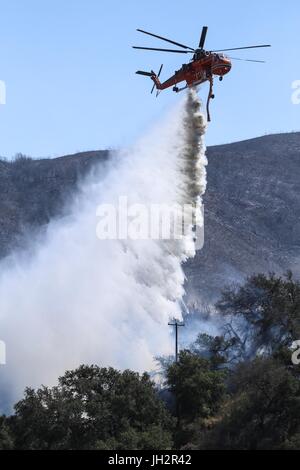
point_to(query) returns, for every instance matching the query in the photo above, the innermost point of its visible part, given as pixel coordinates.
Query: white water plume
(78, 299)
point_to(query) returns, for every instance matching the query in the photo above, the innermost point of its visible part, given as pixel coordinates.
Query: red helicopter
(202, 67)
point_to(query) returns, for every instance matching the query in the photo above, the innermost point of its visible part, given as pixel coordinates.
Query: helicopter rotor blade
(165, 39)
(159, 72)
(203, 37)
(248, 60)
(178, 51)
(239, 48)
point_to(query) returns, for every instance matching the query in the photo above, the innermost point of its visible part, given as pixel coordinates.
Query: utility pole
(176, 324)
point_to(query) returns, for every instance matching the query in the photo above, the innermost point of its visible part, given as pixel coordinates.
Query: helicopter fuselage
(198, 71)
(205, 64)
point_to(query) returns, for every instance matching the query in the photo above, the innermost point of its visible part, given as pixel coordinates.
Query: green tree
(263, 411)
(262, 405)
(220, 350)
(268, 308)
(6, 439)
(92, 408)
(198, 388)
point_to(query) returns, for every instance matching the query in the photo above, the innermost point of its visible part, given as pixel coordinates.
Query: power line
(176, 324)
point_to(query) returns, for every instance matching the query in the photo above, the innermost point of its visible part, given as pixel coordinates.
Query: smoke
(78, 299)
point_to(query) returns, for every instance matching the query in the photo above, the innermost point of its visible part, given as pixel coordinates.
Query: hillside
(252, 207)
(34, 191)
(252, 212)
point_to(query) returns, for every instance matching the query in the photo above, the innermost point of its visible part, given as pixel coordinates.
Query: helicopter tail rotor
(157, 76)
(152, 75)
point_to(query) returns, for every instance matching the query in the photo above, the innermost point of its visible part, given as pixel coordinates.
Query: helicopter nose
(222, 67)
(226, 65)
(226, 61)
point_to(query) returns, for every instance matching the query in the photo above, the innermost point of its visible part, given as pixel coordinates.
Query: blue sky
(69, 70)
